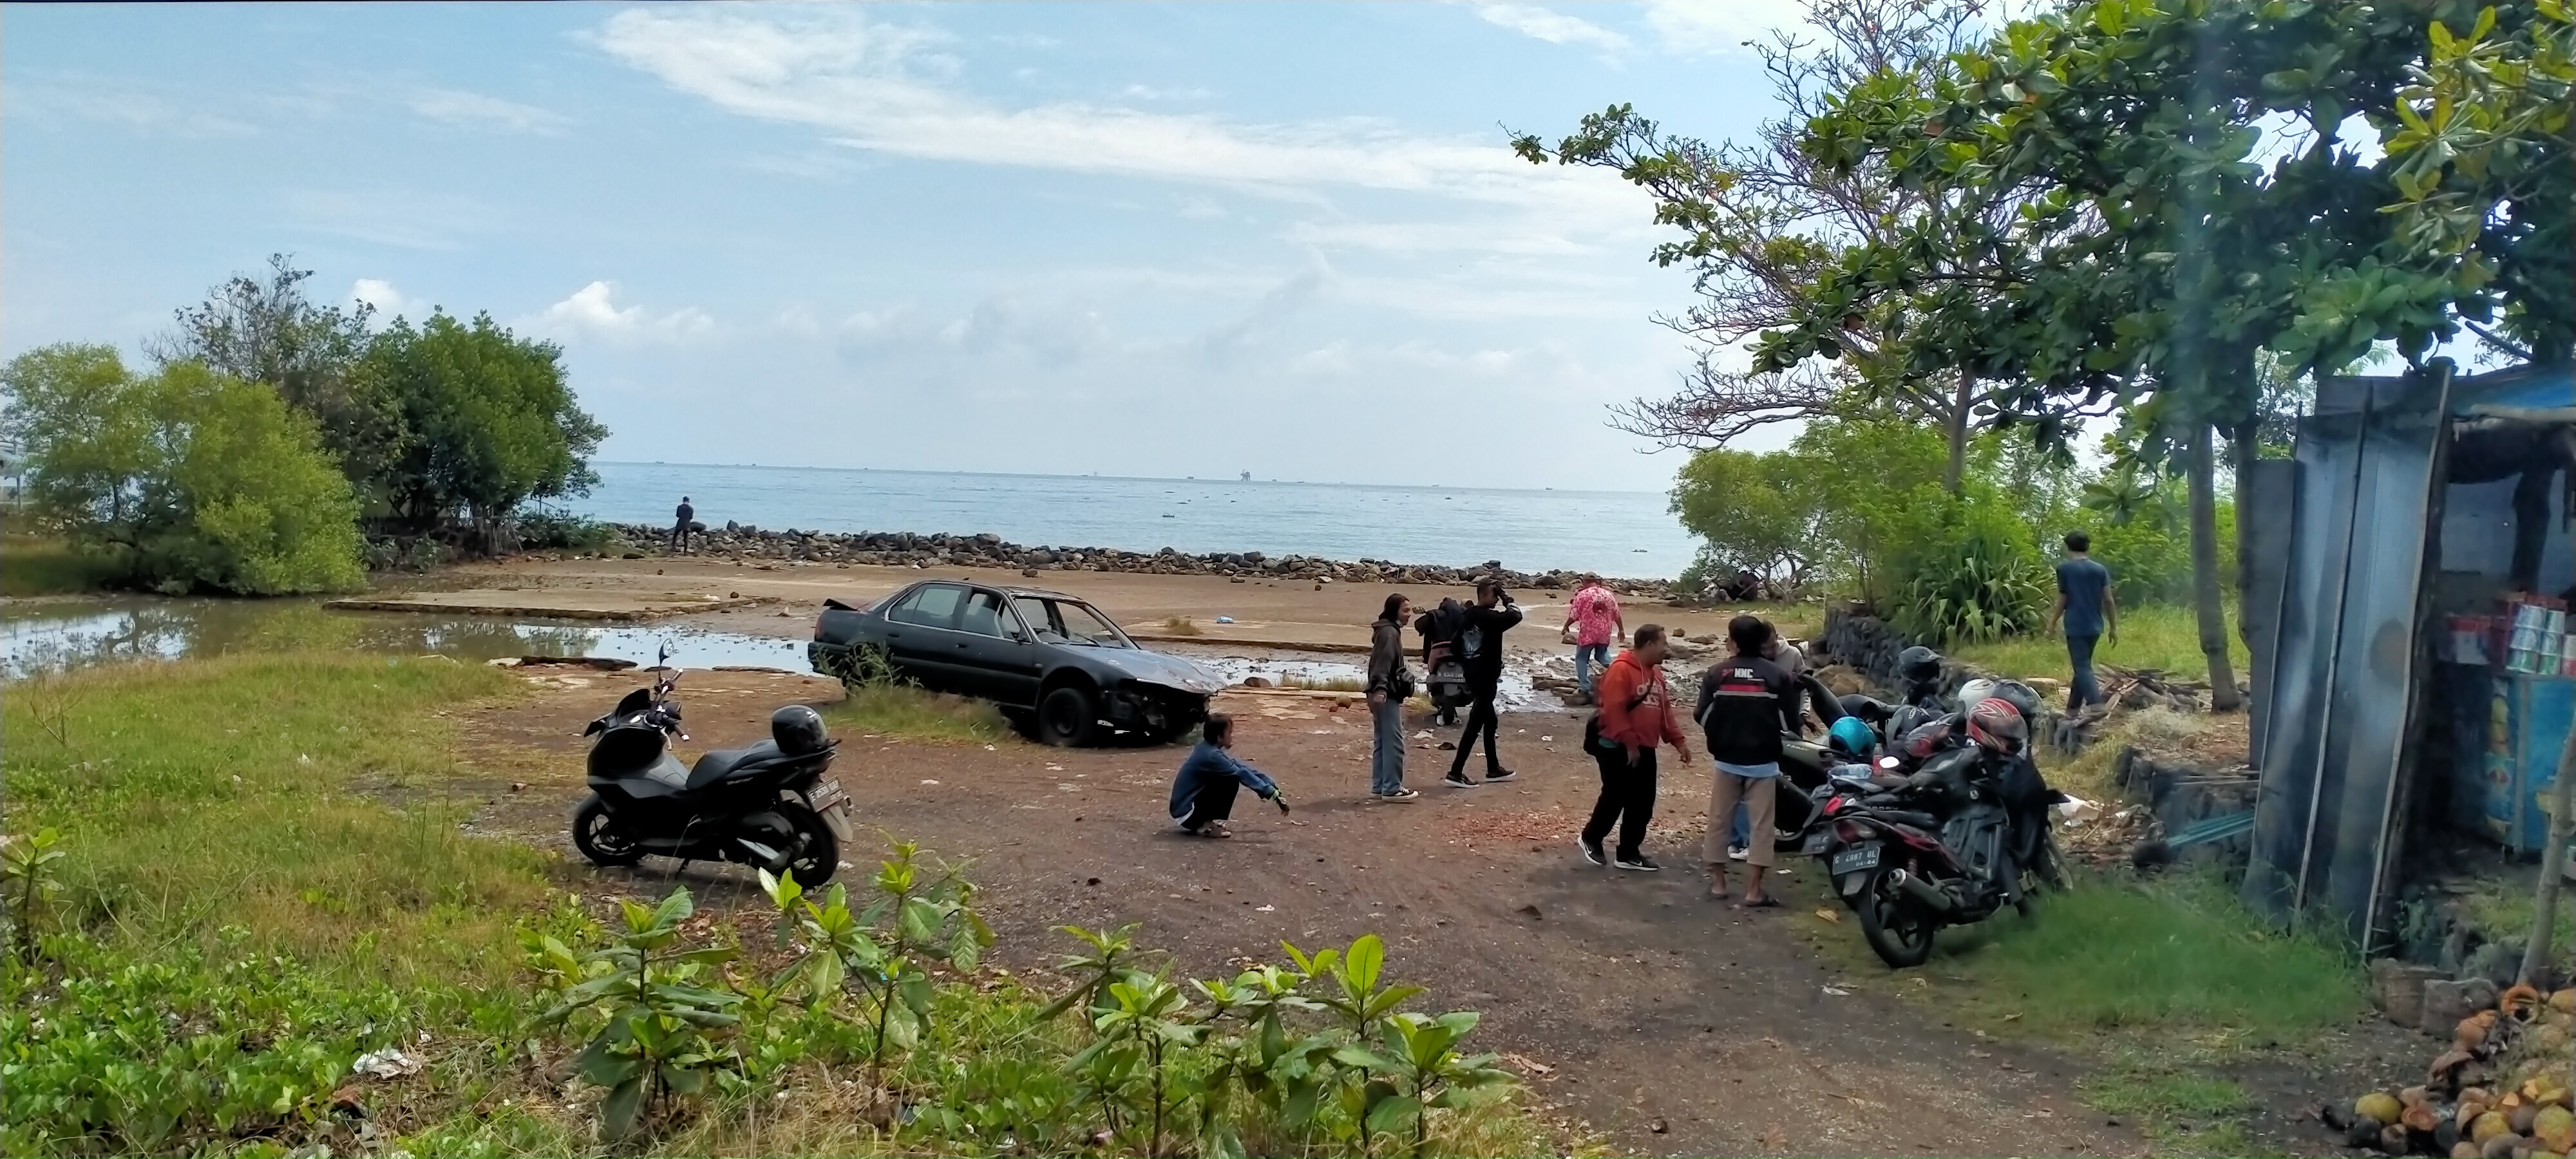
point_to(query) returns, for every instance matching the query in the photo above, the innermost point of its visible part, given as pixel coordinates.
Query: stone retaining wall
(910, 549)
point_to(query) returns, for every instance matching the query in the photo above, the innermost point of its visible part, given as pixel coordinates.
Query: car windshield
(1082, 625)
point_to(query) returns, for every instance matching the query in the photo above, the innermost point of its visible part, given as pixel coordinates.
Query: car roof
(1007, 589)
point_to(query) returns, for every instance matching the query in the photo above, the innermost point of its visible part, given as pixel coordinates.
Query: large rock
(2446, 1003)
(2397, 989)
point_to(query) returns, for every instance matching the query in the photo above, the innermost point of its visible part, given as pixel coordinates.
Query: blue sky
(1125, 238)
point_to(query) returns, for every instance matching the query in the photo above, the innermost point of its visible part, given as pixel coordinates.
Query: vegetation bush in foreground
(262, 879)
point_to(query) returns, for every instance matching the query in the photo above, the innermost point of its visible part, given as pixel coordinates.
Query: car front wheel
(1068, 718)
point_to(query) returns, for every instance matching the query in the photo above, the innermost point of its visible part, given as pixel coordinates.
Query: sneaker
(1640, 862)
(1737, 853)
(1400, 795)
(1215, 829)
(1499, 775)
(1591, 850)
(1458, 781)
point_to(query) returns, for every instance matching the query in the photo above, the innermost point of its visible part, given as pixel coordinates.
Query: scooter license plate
(1816, 842)
(828, 793)
(1856, 859)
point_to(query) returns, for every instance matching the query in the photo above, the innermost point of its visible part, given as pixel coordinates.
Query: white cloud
(592, 311)
(55, 100)
(1199, 208)
(864, 83)
(1719, 25)
(1150, 93)
(388, 301)
(1552, 26)
(476, 110)
(1412, 237)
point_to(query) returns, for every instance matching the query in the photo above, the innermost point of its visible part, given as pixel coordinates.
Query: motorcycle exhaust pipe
(1921, 890)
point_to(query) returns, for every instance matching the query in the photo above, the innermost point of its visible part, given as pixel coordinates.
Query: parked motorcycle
(1444, 680)
(768, 805)
(1940, 847)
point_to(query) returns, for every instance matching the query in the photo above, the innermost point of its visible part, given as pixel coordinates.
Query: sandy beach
(1266, 614)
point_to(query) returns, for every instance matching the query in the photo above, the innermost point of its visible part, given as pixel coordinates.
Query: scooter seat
(719, 764)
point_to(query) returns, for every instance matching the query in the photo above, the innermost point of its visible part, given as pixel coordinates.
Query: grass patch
(900, 710)
(32, 565)
(2087, 774)
(2164, 637)
(2179, 956)
(2163, 981)
(1181, 626)
(2186, 1111)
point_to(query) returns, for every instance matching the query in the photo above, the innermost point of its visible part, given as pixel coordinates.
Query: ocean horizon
(1622, 533)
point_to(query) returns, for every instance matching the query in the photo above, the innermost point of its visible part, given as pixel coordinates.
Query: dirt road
(1673, 1025)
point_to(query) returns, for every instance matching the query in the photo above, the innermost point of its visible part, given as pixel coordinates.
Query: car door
(921, 635)
(995, 651)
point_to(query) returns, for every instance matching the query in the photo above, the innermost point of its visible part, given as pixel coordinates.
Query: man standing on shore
(1480, 651)
(680, 530)
(2085, 603)
(1744, 703)
(1636, 715)
(1390, 684)
(1593, 615)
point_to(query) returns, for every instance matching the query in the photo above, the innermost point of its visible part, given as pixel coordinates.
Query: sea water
(1617, 533)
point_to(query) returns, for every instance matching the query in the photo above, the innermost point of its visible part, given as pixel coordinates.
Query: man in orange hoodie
(1635, 715)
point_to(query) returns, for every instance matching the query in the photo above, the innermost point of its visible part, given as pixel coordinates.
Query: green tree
(197, 480)
(265, 329)
(1765, 222)
(2128, 131)
(1761, 513)
(491, 423)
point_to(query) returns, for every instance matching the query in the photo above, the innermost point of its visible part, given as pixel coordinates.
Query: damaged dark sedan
(1059, 669)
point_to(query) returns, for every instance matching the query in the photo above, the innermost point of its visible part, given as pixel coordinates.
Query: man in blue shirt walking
(1203, 793)
(2085, 604)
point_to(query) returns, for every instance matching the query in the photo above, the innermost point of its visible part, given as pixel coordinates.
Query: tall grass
(2165, 637)
(900, 710)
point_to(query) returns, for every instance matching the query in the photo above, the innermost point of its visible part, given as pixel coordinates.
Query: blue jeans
(1585, 656)
(2081, 690)
(1386, 759)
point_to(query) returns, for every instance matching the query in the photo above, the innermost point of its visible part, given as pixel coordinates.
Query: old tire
(1068, 718)
(596, 834)
(819, 854)
(1897, 927)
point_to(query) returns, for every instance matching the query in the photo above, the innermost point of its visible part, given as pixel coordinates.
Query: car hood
(1158, 668)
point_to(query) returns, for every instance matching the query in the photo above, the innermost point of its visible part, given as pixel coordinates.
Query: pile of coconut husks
(2500, 1092)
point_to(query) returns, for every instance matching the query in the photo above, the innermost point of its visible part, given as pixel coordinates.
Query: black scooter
(768, 805)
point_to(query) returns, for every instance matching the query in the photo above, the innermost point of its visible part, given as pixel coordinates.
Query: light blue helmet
(1852, 735)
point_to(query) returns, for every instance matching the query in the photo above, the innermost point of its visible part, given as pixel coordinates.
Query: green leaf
(620, 1112)
(1392, 1114)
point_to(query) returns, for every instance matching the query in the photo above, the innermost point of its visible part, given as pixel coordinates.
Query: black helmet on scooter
(1918, 665)
(798, 730)
(2020, 696)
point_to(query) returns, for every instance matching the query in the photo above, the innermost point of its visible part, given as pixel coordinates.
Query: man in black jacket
(1480, 649)
(1745, 702)
(688, 517)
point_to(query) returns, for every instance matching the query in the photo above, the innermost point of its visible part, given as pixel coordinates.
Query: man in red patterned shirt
(1592, 617)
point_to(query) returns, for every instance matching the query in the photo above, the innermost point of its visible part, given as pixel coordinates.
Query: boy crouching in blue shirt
(1203, 793)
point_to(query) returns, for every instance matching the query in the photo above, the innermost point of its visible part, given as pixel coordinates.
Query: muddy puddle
(52, 636)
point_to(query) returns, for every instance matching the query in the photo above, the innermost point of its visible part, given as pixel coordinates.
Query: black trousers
(1481, 716)
(1215, 802)
(679, 537)
(1627, 798)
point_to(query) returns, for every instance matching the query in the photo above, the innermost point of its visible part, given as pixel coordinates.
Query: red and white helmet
(1998, 726)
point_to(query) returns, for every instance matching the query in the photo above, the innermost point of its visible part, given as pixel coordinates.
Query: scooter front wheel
(596, 833)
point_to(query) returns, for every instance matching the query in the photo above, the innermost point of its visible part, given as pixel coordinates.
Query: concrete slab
(547, 604)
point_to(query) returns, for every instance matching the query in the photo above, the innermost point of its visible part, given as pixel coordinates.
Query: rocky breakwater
(909, 549)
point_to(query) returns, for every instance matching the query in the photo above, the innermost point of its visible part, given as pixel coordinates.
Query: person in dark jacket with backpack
(1745, 703)
(1480, 647)
(1390, 684)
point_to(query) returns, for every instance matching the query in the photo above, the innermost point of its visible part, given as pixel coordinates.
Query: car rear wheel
(1068, 718)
